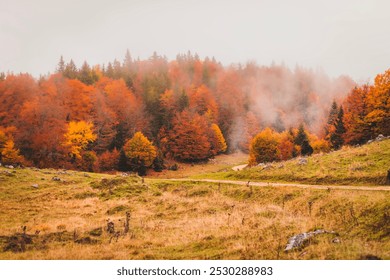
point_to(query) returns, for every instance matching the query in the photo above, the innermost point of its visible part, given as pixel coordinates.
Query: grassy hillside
(365, 165)
(66, 217)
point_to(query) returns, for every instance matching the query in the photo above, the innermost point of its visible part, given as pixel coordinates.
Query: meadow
(63, 214)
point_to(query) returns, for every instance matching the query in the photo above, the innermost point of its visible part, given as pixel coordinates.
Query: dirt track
(265, 184)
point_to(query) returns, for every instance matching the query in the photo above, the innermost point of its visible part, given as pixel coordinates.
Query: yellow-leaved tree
(140, 153)
(264, 147)
(217, 141)
(78, 136)
(8, 153)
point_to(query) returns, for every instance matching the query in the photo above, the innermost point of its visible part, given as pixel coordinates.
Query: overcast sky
(349, 37)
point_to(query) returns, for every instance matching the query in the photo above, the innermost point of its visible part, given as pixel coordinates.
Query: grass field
(67, 218)
(365, 165)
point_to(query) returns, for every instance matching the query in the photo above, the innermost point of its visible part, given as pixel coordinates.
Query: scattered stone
(35, 186)
(9, 166)
(370, 141)
(62, 173)
(336, 240)
(55, 178)
(299, 240)
(280, 165)
(267, 166)
(302, 161)
(87, 175)
(380, 138)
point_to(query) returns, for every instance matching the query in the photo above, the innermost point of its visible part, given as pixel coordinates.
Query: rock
(35, 186)
(9, 166)
(55, 178)
(370, 141)
(380, 138)
(336, 240)
(87, 175)
(302, 161)
(299, 240)
(267, 166)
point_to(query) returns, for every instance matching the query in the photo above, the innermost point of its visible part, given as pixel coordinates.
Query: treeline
(186, 109)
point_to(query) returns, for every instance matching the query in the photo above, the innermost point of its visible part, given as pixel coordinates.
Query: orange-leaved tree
(378, 103)
(188, 138)
(140, 153)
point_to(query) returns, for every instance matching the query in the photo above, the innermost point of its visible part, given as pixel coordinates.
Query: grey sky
(342, 37)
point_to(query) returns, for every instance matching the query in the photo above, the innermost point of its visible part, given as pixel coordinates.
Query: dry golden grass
(180, 220)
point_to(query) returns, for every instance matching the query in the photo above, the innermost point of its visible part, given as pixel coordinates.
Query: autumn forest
(134, 115)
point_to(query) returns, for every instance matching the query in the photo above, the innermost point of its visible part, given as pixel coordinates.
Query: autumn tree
(264, 147)
(188, 139)
(356, 110)
(285, 146)
(217, 141)
(9, 154)
(378, 105)
(139, 152)
(78, 136)
(109, 160)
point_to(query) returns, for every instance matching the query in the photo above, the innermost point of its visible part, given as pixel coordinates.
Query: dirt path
(265, 184)
(239, 167)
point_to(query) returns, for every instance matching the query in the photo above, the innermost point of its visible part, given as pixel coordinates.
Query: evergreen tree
(70, 70)
(330, 125)
(61, 65)
(302, 140)
(336, 138)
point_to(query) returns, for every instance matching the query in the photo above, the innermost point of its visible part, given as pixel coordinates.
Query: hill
(363, 165)
(62, 214)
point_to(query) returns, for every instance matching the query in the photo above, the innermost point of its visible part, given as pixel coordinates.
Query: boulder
(301, 239)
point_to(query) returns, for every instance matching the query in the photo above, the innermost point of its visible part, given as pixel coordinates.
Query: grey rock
(302, 161)
(35, 186)
(299, 240)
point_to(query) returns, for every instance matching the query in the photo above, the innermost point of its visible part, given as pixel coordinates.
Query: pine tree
(330, 125)
(61, 65)
(302, 140)
(70, 70)
(336, 138)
